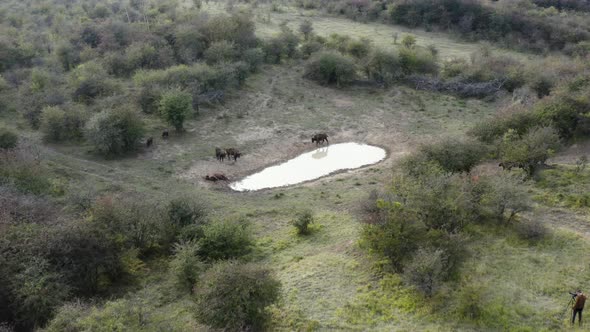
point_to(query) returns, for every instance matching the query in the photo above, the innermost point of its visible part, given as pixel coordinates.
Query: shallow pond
(312, 165)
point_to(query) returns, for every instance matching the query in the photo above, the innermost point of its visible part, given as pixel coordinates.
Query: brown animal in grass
(220, 154)
(149, 142)
(165, 134)
(216, 177)
(319, 139)
(235, 153)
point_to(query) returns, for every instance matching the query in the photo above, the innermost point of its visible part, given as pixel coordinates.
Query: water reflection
(320, 153)
(312, 165)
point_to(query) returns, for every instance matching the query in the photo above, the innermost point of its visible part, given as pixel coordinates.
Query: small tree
(302, 222)
(306, 29)
(530, 150)
(504, 197)
(115, 131)
(221, 51)
(175, 106)
(234, 296)
(426, 270)
(186, 266)
(8, 138)
(331, 68)
(59, 125)
(225, 239)
(409, 41)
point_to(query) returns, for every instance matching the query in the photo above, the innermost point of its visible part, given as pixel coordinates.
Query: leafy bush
(426, 270)
(417, 61)
(175, 107)
(235, 296)
(115, 132)
(221, 51)
(8, 138)
(225, 239)
(302, 222)
(254, 57)
(530, 150)
(503, 196)
(186, 265)
(331, 68)
(59, 125)
(383, 66)
(452, 154)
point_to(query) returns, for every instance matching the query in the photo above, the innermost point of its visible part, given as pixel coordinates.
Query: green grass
(564, 186)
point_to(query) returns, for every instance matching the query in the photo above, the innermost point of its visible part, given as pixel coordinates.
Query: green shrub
(115, 132)
(221, 51)
(331, 68)
(184, 211)
(8, 138)
(383, 66)
(530, 150)
(503, 197)
(254, 57)
(175, 107)
(186, 266)
(226, 239)
(58, 125)
(426, 270)
(454, 155)
(303, 221)
(417, 61)
(235, 296)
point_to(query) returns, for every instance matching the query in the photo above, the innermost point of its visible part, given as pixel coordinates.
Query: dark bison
(149, 142)
(231, 152)
(220, 154)
(165, 134)
(216, 177)
(319, 139)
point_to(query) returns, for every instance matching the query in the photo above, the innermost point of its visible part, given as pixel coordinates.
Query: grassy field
(268, 23)
(329, 282)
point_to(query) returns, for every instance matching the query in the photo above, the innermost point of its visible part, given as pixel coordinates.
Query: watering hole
(312, 165)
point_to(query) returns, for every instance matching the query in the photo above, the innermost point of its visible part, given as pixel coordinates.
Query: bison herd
(233, 153)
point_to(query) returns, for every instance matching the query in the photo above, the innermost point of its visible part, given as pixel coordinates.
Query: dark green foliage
(281, 47)
(8, 138)
(133, 222)
(87, 258)
(186, 266)
(417, 61)
(226, 239)
(478, 20)
(235, 296)
(331, 68)
(175, 107)
(528, 151)
(383, 66)
(426, 270)
(306, 29)
(115, 132)
(303, 221)
(59, 125)
(452, 154)
(254, 57)
(221, 51)
(184, 211)
(492, 129)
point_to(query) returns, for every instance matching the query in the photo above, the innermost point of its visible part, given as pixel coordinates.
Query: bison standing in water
(220, 154)
(231, 152)
(319, 139)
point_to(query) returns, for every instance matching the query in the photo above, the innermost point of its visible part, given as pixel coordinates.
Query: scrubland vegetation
(477, 220)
